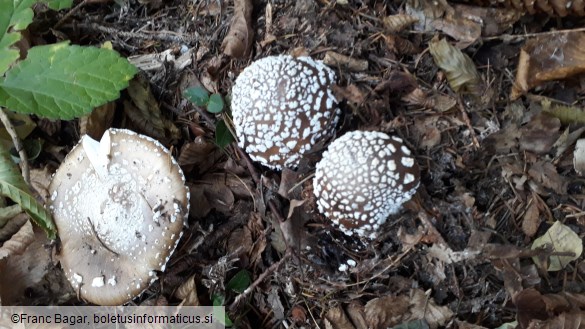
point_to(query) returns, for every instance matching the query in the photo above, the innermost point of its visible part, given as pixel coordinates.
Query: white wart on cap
(364, 177)
(283, 106)
(119, 206)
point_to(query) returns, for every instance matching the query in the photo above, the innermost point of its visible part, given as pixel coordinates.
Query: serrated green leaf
(64, 81)
(59, 4)
(240, 282)
(197, 95)
(223, 136)
(13, 186)
(15, 16)
(215, 104)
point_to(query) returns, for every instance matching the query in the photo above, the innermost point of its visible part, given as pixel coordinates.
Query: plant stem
(17, 144)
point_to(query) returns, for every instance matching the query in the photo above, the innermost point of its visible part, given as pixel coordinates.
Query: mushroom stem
(17, 144)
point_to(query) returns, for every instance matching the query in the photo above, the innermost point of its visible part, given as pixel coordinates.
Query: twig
(145, 35)
(259, 280)
(17, 144)
(70, 13)
(468, 123)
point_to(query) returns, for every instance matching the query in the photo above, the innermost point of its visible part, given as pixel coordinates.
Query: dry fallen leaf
(187, 292)
(238, 41)
(459, 68)
(545, 174)
(549, 57)
(98, 121)
(334, 59)
(561, 239)
(338, 318)
(397, 23)
(540, 134)
(570, 320)
(387, 311)
(145, 112)
(424, 307)
(531, 220)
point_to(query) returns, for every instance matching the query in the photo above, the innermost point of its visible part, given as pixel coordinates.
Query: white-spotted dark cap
(364, 177)
(119, 205)
(282, 106)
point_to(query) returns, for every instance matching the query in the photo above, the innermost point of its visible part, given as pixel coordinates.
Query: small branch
(144, 35)
(259, 280)
(70, 13)
(17, 145)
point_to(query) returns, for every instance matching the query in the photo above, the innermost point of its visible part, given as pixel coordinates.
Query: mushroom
(119, 205)
(364, 177)
(282, 107)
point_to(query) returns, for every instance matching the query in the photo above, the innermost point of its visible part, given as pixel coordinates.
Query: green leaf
(220, 313)
(240, 282)
(32, 147)
(15, 16)
(61, 81)
(58, 4)
(217, 300)
(215, 104)
(197, 95)
(223, 136)
(13, 186)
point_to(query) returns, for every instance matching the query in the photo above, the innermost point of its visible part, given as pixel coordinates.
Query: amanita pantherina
(283, 106)
(364, 177)
(119, 205)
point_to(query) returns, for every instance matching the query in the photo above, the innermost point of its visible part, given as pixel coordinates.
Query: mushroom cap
(363, 177)
(119, 206)
(282, 106)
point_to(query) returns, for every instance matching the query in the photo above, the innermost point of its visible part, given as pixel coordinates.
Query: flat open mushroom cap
(119, 206)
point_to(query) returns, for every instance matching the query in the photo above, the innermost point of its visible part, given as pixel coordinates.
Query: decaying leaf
(459, 68)
(434, 101)
(337, 317)
(28, 262)
(399, 45)
(98, 121)
(145, 112)
(549, 57)
(561, 239)
(201, 154)
(16, 234)
(397, 23)
(187, 292)
(545, 174)
(424, 307)
(540, 133)
(531, 220)
(569, 320)
(427, 132)
(387, 311)
(238, 41)
(338, 60)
